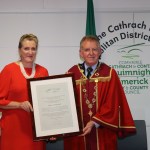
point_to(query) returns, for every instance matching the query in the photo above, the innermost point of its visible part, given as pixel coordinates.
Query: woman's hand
(52, 140)
(26, 106)
(19, 105)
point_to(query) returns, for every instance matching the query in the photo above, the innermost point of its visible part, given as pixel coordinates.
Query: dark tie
(89, 70)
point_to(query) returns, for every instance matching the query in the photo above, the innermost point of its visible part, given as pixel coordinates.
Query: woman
(14, 100)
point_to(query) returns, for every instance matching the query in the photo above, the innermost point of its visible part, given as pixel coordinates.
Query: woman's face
(28, 51)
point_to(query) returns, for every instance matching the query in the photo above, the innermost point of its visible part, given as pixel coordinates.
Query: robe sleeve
(113, 109)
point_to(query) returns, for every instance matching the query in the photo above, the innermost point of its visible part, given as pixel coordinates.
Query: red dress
(16, 123)
(101, 99)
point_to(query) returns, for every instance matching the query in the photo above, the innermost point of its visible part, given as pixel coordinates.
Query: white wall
(59, 25)
(58, 38)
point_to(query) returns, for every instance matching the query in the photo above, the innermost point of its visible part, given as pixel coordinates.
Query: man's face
(90, 52)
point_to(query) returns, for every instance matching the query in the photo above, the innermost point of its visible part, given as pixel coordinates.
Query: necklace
(24, 72)
(89, 103)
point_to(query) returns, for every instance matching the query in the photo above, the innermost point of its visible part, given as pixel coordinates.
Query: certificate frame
(56, 112)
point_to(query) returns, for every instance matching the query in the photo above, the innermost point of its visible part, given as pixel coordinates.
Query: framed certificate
(55, 107)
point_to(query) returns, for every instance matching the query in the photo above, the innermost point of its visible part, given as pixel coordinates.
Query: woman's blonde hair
(30, 37)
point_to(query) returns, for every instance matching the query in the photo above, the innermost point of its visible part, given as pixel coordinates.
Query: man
(105, 114)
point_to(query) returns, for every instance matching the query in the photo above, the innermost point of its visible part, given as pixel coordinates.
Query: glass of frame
(55, 107)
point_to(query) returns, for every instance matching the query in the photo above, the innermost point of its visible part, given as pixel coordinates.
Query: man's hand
(88, 128)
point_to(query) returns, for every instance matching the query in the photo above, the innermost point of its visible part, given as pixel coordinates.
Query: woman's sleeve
(5, 81)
